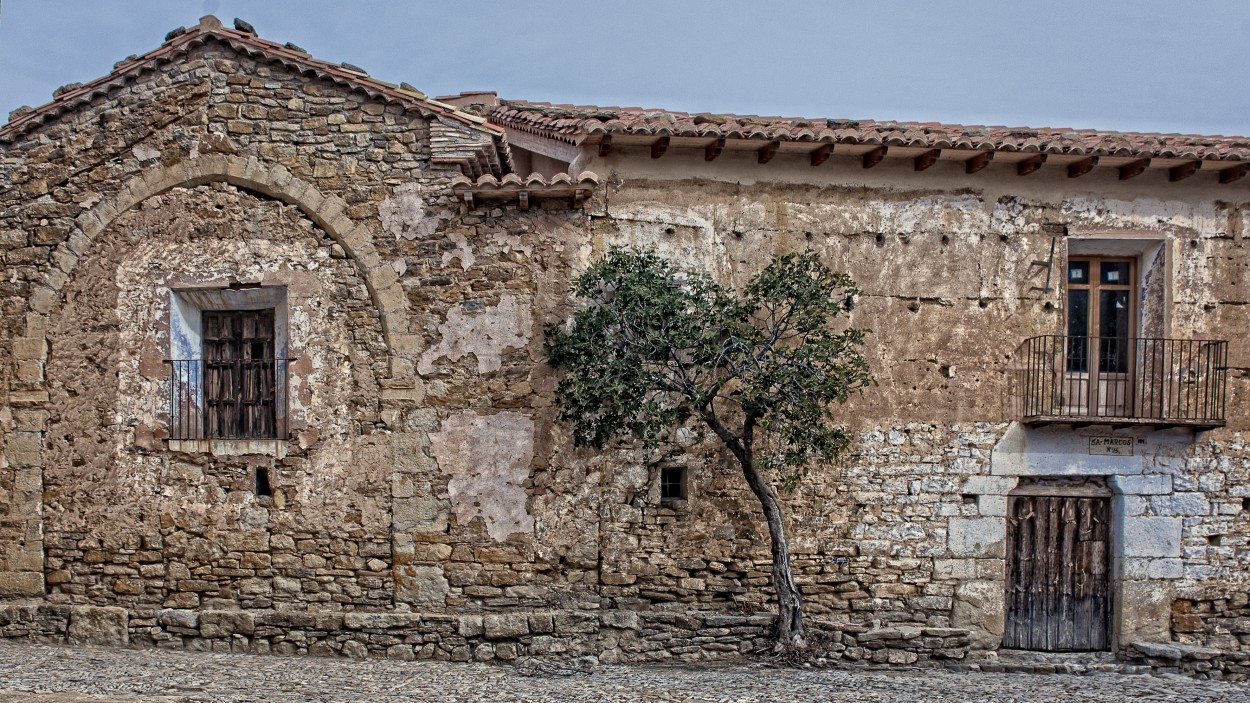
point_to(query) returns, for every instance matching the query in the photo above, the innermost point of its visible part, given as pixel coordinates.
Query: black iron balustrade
(228, 398)
(1120, 380)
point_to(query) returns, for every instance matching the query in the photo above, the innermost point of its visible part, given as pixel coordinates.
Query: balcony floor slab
(1116, 423)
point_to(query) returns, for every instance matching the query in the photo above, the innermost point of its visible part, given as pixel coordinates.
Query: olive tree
(651, 346)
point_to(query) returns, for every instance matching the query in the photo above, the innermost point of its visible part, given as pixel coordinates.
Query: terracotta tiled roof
(535, 185)
(244, 40)
(575, 124)
(535, 180)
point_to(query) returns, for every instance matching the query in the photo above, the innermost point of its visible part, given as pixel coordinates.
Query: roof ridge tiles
(184, 38)
(570, 122)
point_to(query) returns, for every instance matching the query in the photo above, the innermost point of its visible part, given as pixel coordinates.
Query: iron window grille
(672, 483)
(238, 388)
(1121, 380)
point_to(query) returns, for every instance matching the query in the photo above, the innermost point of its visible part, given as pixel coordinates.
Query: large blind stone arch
(21, 556)
(275, 181)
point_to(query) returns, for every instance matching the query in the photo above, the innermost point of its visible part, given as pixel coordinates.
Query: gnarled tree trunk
(789, 600)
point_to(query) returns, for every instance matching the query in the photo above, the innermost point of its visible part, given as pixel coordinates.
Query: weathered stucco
(403, 213)
(488, 459)
(486, 334)
(426, 498)
(197, 508)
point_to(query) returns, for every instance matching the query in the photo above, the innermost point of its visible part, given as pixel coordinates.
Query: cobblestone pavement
(45, 674)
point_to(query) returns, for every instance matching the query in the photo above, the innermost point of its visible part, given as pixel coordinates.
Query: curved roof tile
(536, 181)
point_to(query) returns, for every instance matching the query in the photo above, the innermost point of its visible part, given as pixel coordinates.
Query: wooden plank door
(1058, 580)
(239, 374)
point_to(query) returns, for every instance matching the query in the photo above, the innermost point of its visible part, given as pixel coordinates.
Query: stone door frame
(1146, 552)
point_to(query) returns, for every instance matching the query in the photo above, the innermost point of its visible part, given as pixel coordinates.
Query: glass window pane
(1113, 321)
(1115, 273)
(672, 483)
(1078, 313)
(1078, 272)
(1078, 354)
(1078, 331)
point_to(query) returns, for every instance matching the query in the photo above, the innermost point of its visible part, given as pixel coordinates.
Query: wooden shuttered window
(239, 374)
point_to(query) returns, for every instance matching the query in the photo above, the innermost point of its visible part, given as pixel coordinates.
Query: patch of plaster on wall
(676, 233)
(486, 335)
(463, 251)
(488, 458)
(403, 214)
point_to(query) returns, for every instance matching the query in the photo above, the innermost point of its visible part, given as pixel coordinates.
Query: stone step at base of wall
(1077, 663)
(609, 636)
(1072, 669)
(1177, 658)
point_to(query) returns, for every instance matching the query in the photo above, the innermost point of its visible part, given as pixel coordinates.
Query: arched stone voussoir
(251, 173)
(384, 276)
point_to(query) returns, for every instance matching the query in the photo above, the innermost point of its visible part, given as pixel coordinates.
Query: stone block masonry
(427, 503)
(610, 636)
(1152, 537)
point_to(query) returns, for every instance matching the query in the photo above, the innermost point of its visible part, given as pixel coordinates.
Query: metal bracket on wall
(1049, 264)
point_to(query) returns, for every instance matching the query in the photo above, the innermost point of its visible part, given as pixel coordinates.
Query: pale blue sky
(1134, 65)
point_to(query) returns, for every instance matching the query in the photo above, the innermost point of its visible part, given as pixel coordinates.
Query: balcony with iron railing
(1120, 381)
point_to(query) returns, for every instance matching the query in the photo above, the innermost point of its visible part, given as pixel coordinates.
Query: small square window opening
(672, 483)
(263, 489)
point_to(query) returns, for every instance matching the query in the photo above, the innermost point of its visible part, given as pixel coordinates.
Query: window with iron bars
(237, 388)
(672, 483)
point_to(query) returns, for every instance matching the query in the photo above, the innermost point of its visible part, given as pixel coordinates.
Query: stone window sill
(230, 447)
(674, 506)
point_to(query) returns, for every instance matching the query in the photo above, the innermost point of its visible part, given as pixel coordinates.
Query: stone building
(273, 374)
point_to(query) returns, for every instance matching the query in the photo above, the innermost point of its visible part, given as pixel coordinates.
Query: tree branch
(724, 433)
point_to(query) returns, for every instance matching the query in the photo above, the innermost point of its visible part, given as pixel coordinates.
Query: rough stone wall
(1213, 504)
(373, 442)
(910, 527)
(867, 539)
(65, 183)
(195, 531)
(426, 475)
(191, 531)
(494, 521)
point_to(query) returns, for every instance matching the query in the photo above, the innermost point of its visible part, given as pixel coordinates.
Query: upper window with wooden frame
(1116, 361)
(1101, 313)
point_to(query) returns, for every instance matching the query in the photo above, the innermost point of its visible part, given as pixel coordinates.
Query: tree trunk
(789, 600)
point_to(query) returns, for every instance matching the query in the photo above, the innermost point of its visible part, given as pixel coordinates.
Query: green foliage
(651, 344)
